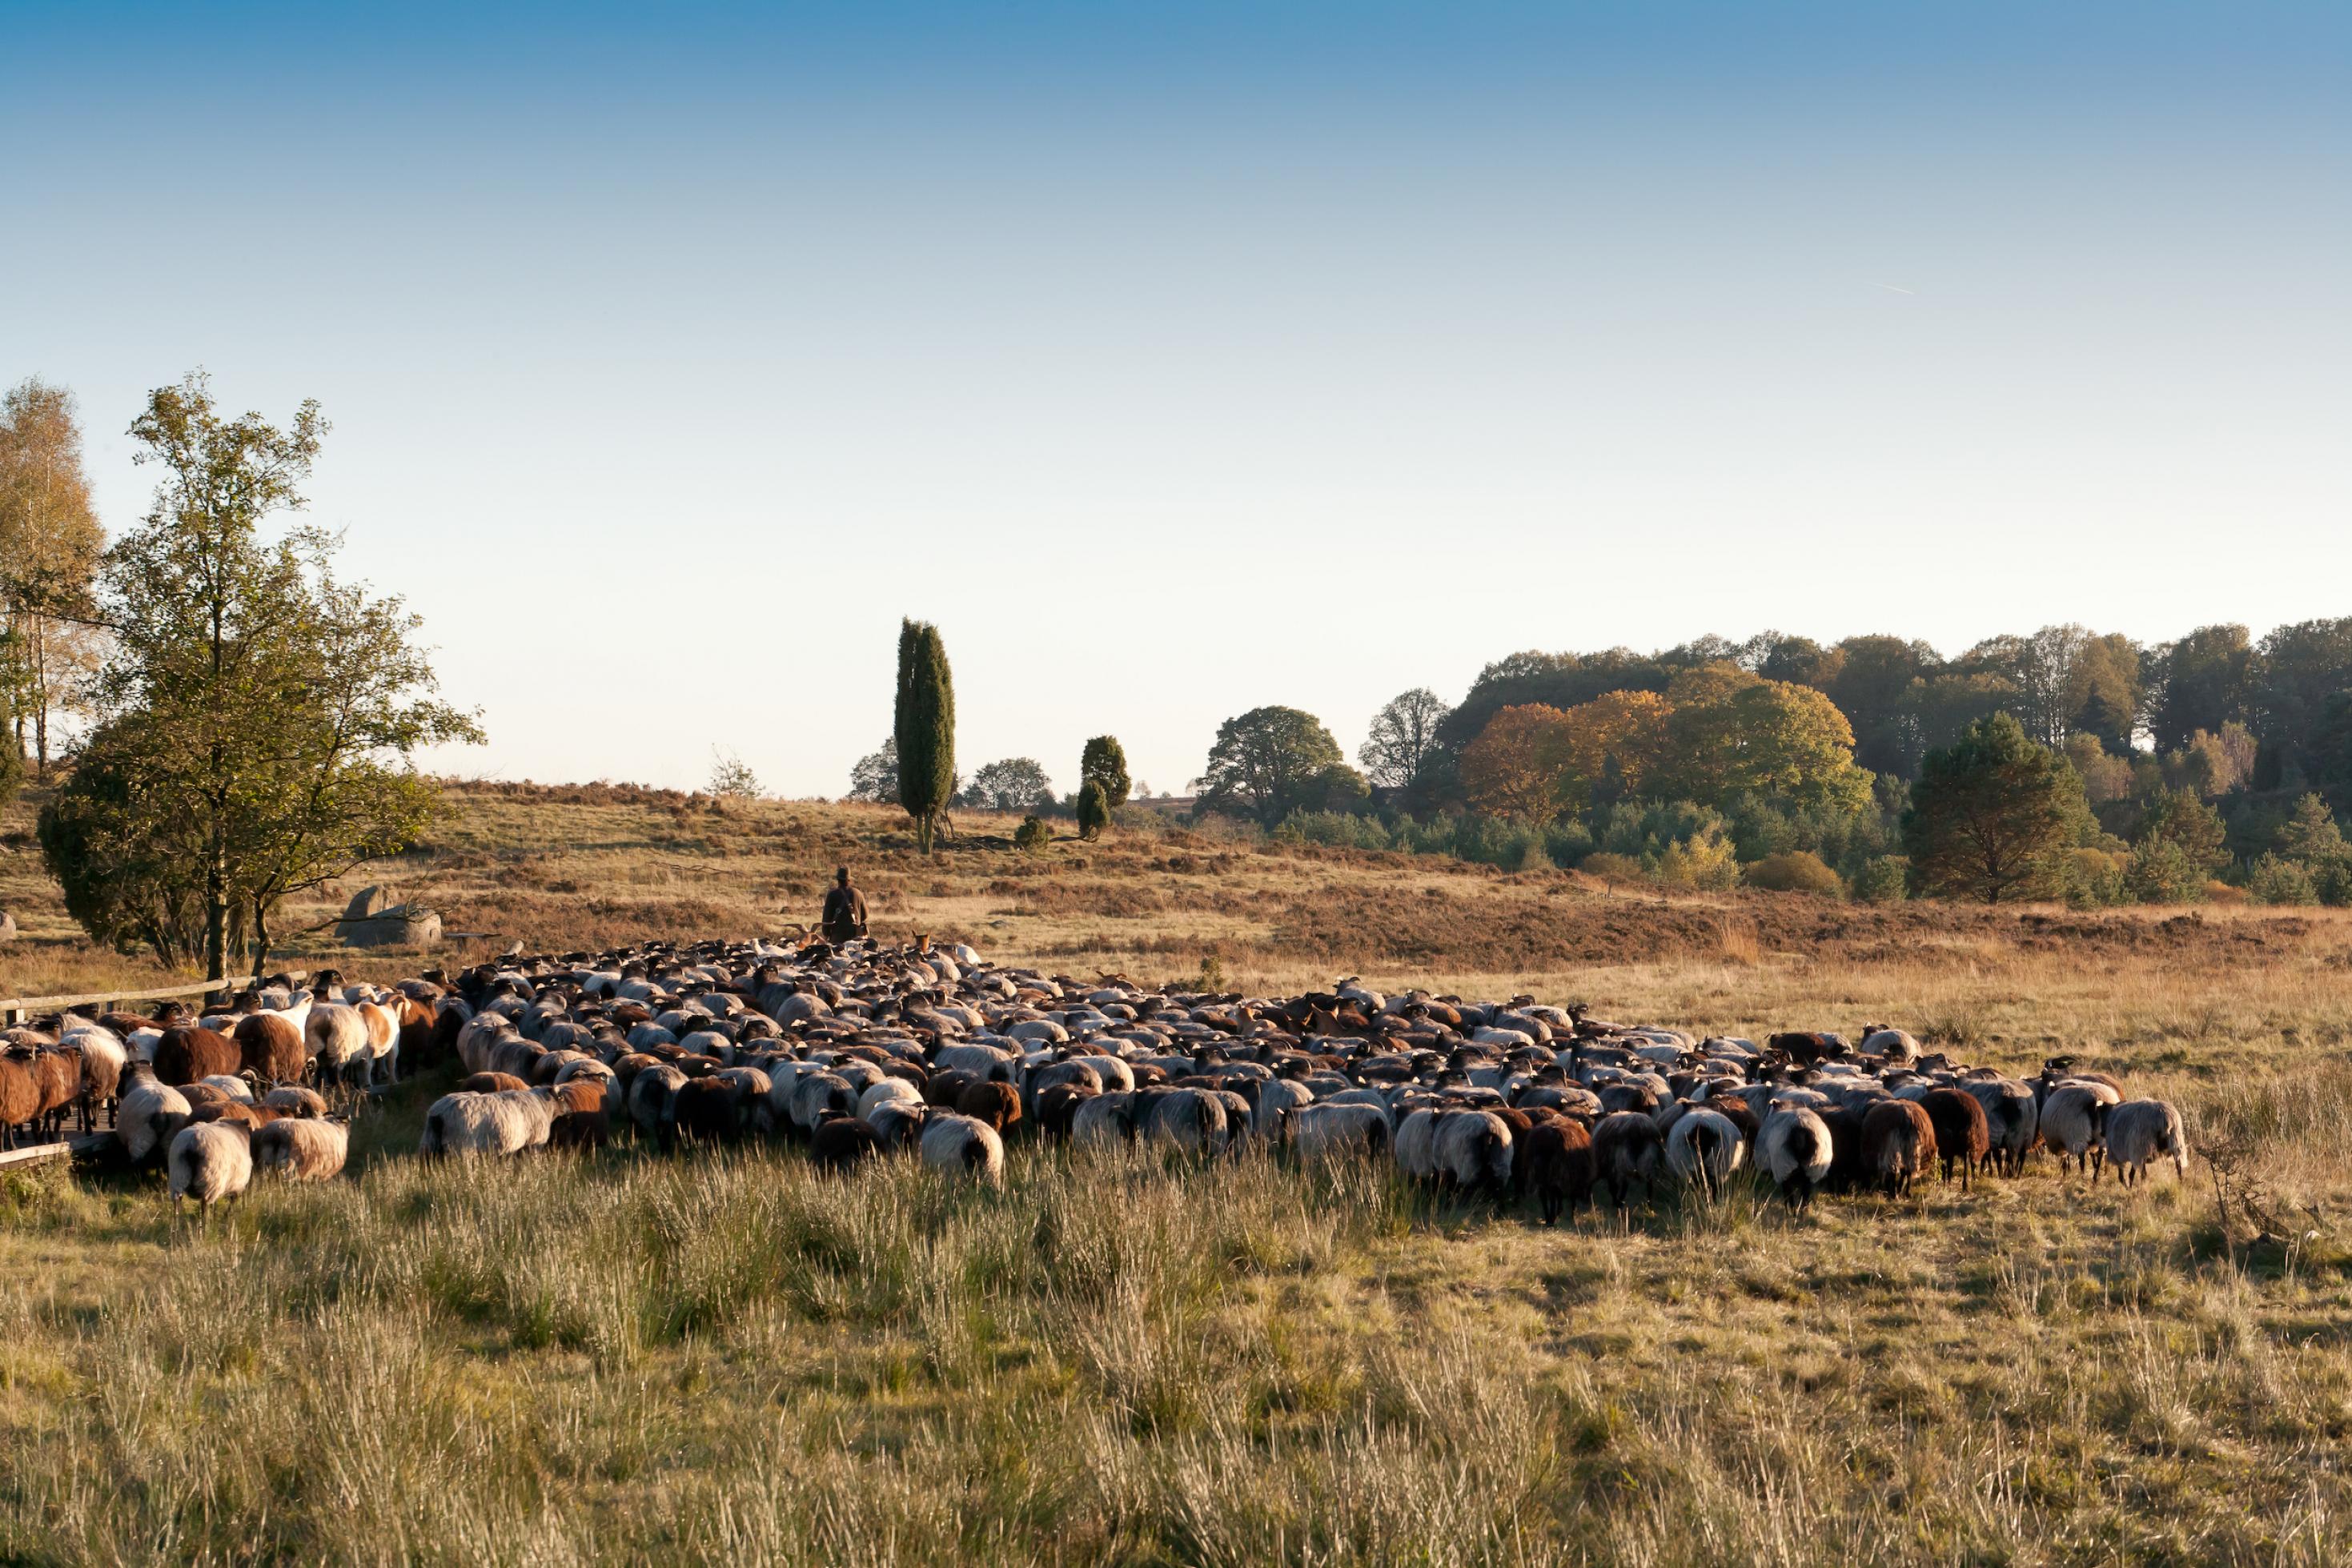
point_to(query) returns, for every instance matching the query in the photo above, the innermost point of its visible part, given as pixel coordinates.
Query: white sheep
(964, 1145)
(210, 1161)
(337, 1039)
(149, 1115)
(887, 1091)
(1322, 1132)
(2073, 1119)
(1793, 1146)
(1472, 1149)
(1278, 1100)
(1191, 1120)
(302, 1148)
(506, 1122)
(1705, 1146)
(2140, 1130)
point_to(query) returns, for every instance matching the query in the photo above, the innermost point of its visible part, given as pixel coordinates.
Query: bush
(1883, 879)
(1794, 870)
(1613, 869)
(2220, 892)
(1568, 842)
(2163, 872)
(1094, 810)
(1337, 829)
(2277, 880)
(1031, 836)
(1705, 863)
(2092, 879)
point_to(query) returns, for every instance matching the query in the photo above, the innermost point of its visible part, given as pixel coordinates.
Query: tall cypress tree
(925, 728)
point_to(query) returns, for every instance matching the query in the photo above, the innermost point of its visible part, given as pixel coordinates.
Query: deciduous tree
(1402, 736)
(1266, 762)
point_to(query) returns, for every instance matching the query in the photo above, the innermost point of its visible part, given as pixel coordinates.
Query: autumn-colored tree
(1516, 767)
(1732, 733)
(1619, 734)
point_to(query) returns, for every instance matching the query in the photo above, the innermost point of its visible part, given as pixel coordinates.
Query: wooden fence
(17, 1010)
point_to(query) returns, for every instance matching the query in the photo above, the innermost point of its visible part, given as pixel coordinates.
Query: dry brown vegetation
(674, 1359)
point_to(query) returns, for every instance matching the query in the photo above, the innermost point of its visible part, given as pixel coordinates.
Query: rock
(399, 925)
(368, 903)
(8, 926)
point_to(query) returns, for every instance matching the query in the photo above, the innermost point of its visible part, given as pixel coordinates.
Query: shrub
(1611, 868)
(1794, 870)
(1568, 842)
(1339, 830)
(1031, 836)
(2277, 880)
(1094, 810)
(1705, 863)
(1883, 879)
(2220, 892)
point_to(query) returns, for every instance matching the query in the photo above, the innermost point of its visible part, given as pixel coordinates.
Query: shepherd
(845, 909)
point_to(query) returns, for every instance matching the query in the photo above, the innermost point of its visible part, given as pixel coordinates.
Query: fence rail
(17, 1010)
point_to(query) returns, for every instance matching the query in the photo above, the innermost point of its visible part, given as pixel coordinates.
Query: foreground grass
(1128, 1359)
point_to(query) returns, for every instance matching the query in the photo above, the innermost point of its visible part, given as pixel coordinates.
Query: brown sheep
(998, 1105)
(1556, 1164)
(1058, 1106)
(1963, 1136)
(62, 1088)
(1626, 1146)
(20, 1090)
(577, 1129)
(199, 1095)
(1898, 1145)
(841, 1144)
(706, 1111)
(186, 1054)
(239, 1111)
(271, 1046)
(579, 1096)
(943, 1089)
(489, 1083)
(296, 1099)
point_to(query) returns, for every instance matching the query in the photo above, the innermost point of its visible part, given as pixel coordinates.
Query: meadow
(1133, 1359)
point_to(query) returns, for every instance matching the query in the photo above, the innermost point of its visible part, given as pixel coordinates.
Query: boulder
(399, 925)
(368, 903)
(8, 926)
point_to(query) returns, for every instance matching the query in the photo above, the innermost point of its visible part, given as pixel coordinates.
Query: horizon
(1173, 362)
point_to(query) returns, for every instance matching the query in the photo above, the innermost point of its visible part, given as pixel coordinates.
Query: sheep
(103, 1058)
(1277, 1100)
(1104, 1120)
(889, 1090)
(296, 1101)
(336, 1038)
(185, 1055)
(507, 1122)
(63, 1088)
(650, 1095)
(210, 1161)
(841, 1142)
(1189, 1119)
(1626, 1146)
(2073, 1123)
(271, 1046)
(1898, 1143)
(1558, 1167)
(1471, 1150)
(1795, 1149)
(1705, 1147)
(20, 1090)
(302, 1148)
(489, 1082)
(998, 1105)
(1322, 1131)
(814, 1098)
(2141, 1130)
(149, 1115)
(897, 1124)
(2012, 1118)
(1963, 1135)
(965, 1146)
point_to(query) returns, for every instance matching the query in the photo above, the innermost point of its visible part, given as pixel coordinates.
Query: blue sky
(1178, 359)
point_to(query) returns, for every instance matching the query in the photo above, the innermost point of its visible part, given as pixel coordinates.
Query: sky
(1178, 359)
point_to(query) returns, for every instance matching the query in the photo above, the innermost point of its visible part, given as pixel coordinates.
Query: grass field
(726, 1357)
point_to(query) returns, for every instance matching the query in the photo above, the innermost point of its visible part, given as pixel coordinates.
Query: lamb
(1705, 1146)
(269, 1045)
(210, 1161)
(887, 1089)
(1796, 1151)
(149, 1115)
(62, 1085)
(965, 1146)
(1898, 1142)
(302, 1148)
(507, 1122)
(1626, 1147)
(1963, 1136)
(1557, 1166)
(2141, 1130)
(489, 1082)
(706, 1109)
(1278, 1100)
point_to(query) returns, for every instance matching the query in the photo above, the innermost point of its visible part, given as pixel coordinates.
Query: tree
(50, 544)
(875, 775)
(1013, 784)
(2297, 669)
(256, 717)
(2179, 818)
(731, 779)
(1619, 740)
(1093, 808)
(1103, 762)
(1518, 768)
(1264, 762)
(1990, 814)
(1031, 836)
(1872, 686)
(1403, 736)
(925, 728)
(2201, 684)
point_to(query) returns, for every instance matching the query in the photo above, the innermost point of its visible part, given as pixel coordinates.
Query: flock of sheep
(861, 1052)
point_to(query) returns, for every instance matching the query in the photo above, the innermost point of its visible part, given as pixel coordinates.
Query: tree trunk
(260, 941)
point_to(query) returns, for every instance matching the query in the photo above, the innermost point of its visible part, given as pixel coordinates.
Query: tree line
(2214, 765)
